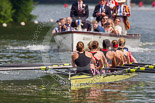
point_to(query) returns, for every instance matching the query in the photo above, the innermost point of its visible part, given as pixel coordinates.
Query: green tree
(23, 10)
(5, 11)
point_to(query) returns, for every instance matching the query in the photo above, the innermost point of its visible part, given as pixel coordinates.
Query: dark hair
(106, 43)
(95, 45)
(106, 24)
(114, 43)
(80, 46)
(118, 18)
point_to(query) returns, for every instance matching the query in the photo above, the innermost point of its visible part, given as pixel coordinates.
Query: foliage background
(16, 11)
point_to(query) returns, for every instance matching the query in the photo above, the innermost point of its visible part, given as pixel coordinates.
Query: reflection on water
(33, 90)
(16, 46)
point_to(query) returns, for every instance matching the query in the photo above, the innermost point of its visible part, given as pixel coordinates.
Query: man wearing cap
(101, 10)
(79, 10)
(123, 12)
(56, 29)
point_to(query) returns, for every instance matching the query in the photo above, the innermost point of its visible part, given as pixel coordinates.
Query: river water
(30, 86)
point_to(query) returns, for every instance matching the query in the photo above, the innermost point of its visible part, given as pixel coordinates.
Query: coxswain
(125, 50)
(82, 59)
(123, 12)
(99, 56)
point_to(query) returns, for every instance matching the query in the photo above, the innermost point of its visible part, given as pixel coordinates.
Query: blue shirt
(100, 29)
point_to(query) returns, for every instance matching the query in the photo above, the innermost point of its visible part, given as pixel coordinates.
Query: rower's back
(82, 59)
(105, 49)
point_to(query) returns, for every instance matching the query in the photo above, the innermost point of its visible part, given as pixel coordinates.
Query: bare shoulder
(88, 54)
(75, 55)
(100, 53)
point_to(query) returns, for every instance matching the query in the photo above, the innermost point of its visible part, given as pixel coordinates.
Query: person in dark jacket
(101, 10)
(79, 10)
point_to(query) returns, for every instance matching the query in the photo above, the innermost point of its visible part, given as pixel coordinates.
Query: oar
(35, 65)
(35, 68)
(140, 65)
(134, 69)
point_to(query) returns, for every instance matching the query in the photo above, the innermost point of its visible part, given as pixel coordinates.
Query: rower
(116, 56)
(105, 49)
(125, 50)
(98, 55)
(82, 59)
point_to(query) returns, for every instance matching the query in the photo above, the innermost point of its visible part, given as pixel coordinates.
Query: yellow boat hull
(82, 81)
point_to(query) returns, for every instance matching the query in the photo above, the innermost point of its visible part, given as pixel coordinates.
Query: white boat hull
(68, 40)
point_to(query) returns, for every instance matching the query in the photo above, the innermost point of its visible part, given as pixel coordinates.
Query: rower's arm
(101, 64)
(73, 61)
(121, 59)
(128, 59)
(104, 59)
(93, 59)
(133, 59)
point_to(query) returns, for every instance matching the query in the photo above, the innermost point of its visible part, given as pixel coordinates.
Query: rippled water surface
(40, 87)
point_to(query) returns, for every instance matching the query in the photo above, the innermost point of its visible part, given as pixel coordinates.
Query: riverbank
(17, 32)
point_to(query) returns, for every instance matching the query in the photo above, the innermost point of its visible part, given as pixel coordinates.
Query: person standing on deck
(79, 10)
(83, 59)
(101, 10)
(123, 12)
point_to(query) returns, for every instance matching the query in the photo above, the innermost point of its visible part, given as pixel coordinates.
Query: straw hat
(120, 1)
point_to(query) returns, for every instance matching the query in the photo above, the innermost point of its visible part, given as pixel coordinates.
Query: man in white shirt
(117, 27)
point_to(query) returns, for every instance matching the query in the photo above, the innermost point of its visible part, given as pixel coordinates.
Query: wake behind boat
(68, 40)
